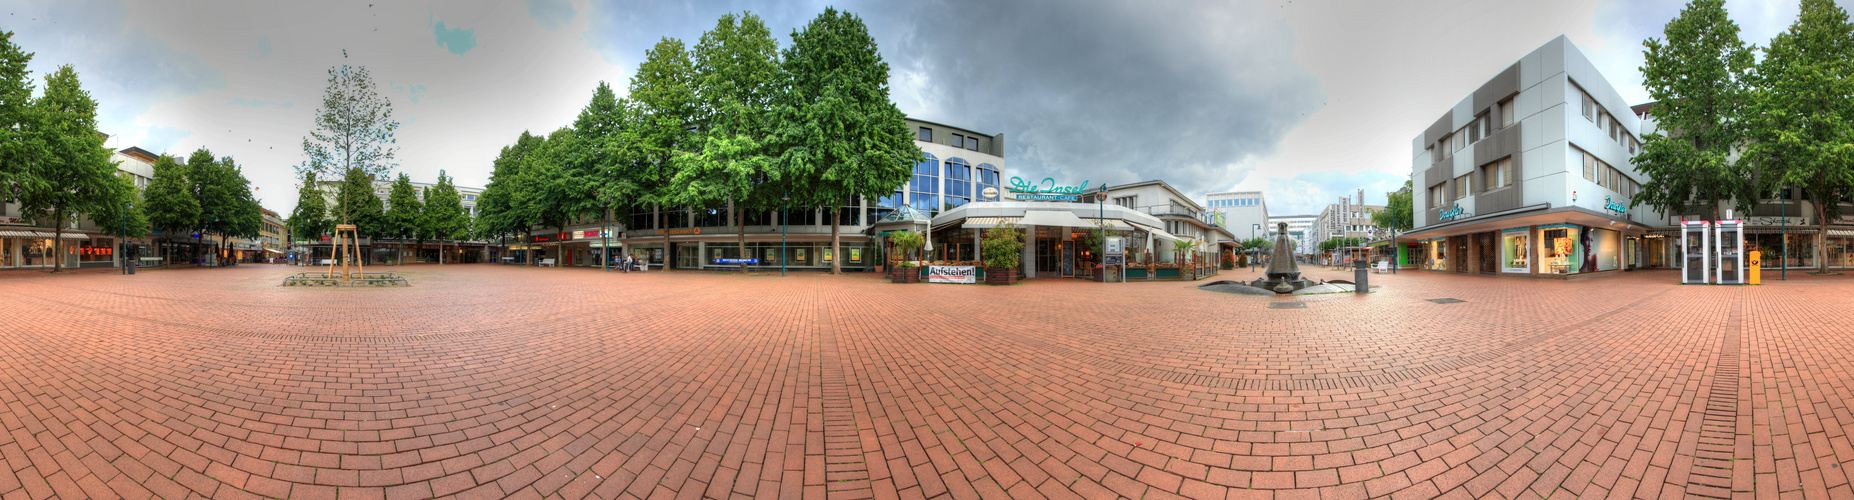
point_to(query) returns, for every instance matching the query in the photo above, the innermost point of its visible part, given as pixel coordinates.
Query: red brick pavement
(490, 381)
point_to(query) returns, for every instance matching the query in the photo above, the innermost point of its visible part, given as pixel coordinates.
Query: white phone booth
(1731, 252)
(1695, 245)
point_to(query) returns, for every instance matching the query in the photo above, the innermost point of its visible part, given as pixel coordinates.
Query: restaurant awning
(1059, 218)
(990, 222)
(68, 236)
(18, 234)
(1159, 233)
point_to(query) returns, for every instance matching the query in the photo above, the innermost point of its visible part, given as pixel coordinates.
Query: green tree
(127, 216)
(168, 200)
(1801, 118)
(355, 198)
(227, 208)
(659, 129)
(839, 135)
(310, 220)
(72, 173)
(444, 216)
(553, 196)
(736, 78)
(599, 127)
(18, 145)
(499, 208)
(404, 214)
(1398, 215)
(1004, 247)
(1697, 76)
(353, 130)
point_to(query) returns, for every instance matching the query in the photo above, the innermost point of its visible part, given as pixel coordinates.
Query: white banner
(952, 274)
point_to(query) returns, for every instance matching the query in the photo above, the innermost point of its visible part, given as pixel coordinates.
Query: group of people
(627, 263)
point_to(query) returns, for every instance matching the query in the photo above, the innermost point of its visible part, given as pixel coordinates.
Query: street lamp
(784, 199)
(123, 254)
(1253, 228)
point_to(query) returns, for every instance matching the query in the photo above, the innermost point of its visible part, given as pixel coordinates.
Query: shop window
(1559, 251)
(1608, 250)
(1513, 250)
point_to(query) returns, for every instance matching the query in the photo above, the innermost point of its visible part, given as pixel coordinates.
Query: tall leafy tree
(499, 208)
(599, 127)
(126, 217)
(1801, 119)
(17, 143)
(444, 217)
(202, 169)
(841, 136)
(227, 208)
(353, 131)
(1697, 75)
(736, 77)
(554, 196)
(310, 220)
(660, 128)
(168, 200)
(1397, 213)
(404, 213)
(73, 173)
(356, 199)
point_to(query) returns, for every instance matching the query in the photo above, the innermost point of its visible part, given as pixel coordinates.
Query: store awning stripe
(18, 234)
(989, 222)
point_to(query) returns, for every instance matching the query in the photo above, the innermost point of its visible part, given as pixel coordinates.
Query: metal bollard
(1360, 275)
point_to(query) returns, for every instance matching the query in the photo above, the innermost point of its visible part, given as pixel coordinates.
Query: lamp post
(1253, 228)
(784, 200)
(1783, 225)
(605, 233)
(123, 254)
(1396, 251)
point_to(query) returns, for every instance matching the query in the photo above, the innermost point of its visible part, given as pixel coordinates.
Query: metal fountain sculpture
(1282, 275)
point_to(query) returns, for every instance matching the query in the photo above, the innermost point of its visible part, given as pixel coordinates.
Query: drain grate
(1287, 305)
(1446, 301)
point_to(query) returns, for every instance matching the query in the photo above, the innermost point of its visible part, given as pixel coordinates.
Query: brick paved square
(489, 381)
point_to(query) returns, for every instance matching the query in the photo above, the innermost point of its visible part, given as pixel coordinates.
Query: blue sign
(1615, 206)
(1452, 213)
(737, 261)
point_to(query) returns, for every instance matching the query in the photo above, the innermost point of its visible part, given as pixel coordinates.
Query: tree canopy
(444, 217)
(310, 219)
(18, 145)
(69, 171)
(1697, 75)
(1801, 117)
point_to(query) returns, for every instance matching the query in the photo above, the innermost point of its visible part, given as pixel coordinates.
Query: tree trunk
(1821, 236)
(559, 247)
(666, 242)
(740, 234)
(836, 261)
(57, 240)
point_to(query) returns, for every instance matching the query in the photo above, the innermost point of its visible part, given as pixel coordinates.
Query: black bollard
(1360, 274)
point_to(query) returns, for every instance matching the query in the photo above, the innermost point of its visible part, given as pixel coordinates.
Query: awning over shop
(1059, 218)
(1844, 233)
(1117, 225)
(1159, 233)
(18, 234)
(273, 250)
(990, 222)
(68, 236)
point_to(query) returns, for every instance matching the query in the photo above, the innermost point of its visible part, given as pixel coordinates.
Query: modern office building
(1349, 218)
(1530, 175)
(1300, 229)
(1244, 213)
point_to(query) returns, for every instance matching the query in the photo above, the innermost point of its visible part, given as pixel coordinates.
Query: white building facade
(1243, 213)
(1530, 175)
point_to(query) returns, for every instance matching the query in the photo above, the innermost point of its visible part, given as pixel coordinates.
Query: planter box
(905, 275)
(1000, 275)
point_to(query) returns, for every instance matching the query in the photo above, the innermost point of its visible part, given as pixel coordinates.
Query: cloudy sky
(1307, 100)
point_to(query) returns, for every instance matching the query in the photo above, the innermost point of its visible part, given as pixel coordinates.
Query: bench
(547, 262)
(324, 262)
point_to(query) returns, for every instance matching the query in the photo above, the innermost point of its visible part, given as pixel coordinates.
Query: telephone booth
(1695, 245)
(1730, 252)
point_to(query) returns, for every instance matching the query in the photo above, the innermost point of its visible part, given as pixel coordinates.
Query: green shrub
(907, 242)
(1003, 246)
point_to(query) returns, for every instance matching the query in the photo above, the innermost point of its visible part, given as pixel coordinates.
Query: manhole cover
(1287, 305)
(1446, 301)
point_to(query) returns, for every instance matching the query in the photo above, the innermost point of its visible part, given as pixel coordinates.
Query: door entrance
(1048, 257)
(1461, 251)
(1489, 252)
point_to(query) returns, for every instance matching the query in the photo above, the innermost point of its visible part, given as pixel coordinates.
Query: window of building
(1435, 195)
(924, 190)
(1126, 201)
(1615, 130)
(1590, 162)
(1475, 131)
(958, 183)
(1460, 138)
(972, 143)
(1590, 105)
(1506, 113)
(1634, 145)
(1497, 175)
(959, 140)
(1461, 186)
(925, 135)
(1602, 121)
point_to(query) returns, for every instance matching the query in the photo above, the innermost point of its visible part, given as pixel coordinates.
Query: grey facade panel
(1436, 173)
(1501, 144)
(1502, 85)
(1441, 128)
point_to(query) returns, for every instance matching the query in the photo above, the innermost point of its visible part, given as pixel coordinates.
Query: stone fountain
(1281, 277)
(1283, 274)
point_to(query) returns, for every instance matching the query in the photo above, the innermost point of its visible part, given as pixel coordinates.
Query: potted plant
(906, 271)
(1003, 252)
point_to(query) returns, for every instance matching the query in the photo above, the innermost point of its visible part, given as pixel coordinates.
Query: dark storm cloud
(1110, 92)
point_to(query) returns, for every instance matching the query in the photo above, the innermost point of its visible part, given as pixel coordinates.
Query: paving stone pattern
(486, 381)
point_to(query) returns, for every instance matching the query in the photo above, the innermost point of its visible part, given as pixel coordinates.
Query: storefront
(1560, 243)
(1055, 238)
(33, 248)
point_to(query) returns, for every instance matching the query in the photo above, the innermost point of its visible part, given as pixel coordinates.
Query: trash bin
(1360, 276)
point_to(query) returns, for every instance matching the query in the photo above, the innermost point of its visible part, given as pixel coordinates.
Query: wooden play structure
(346, 252)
